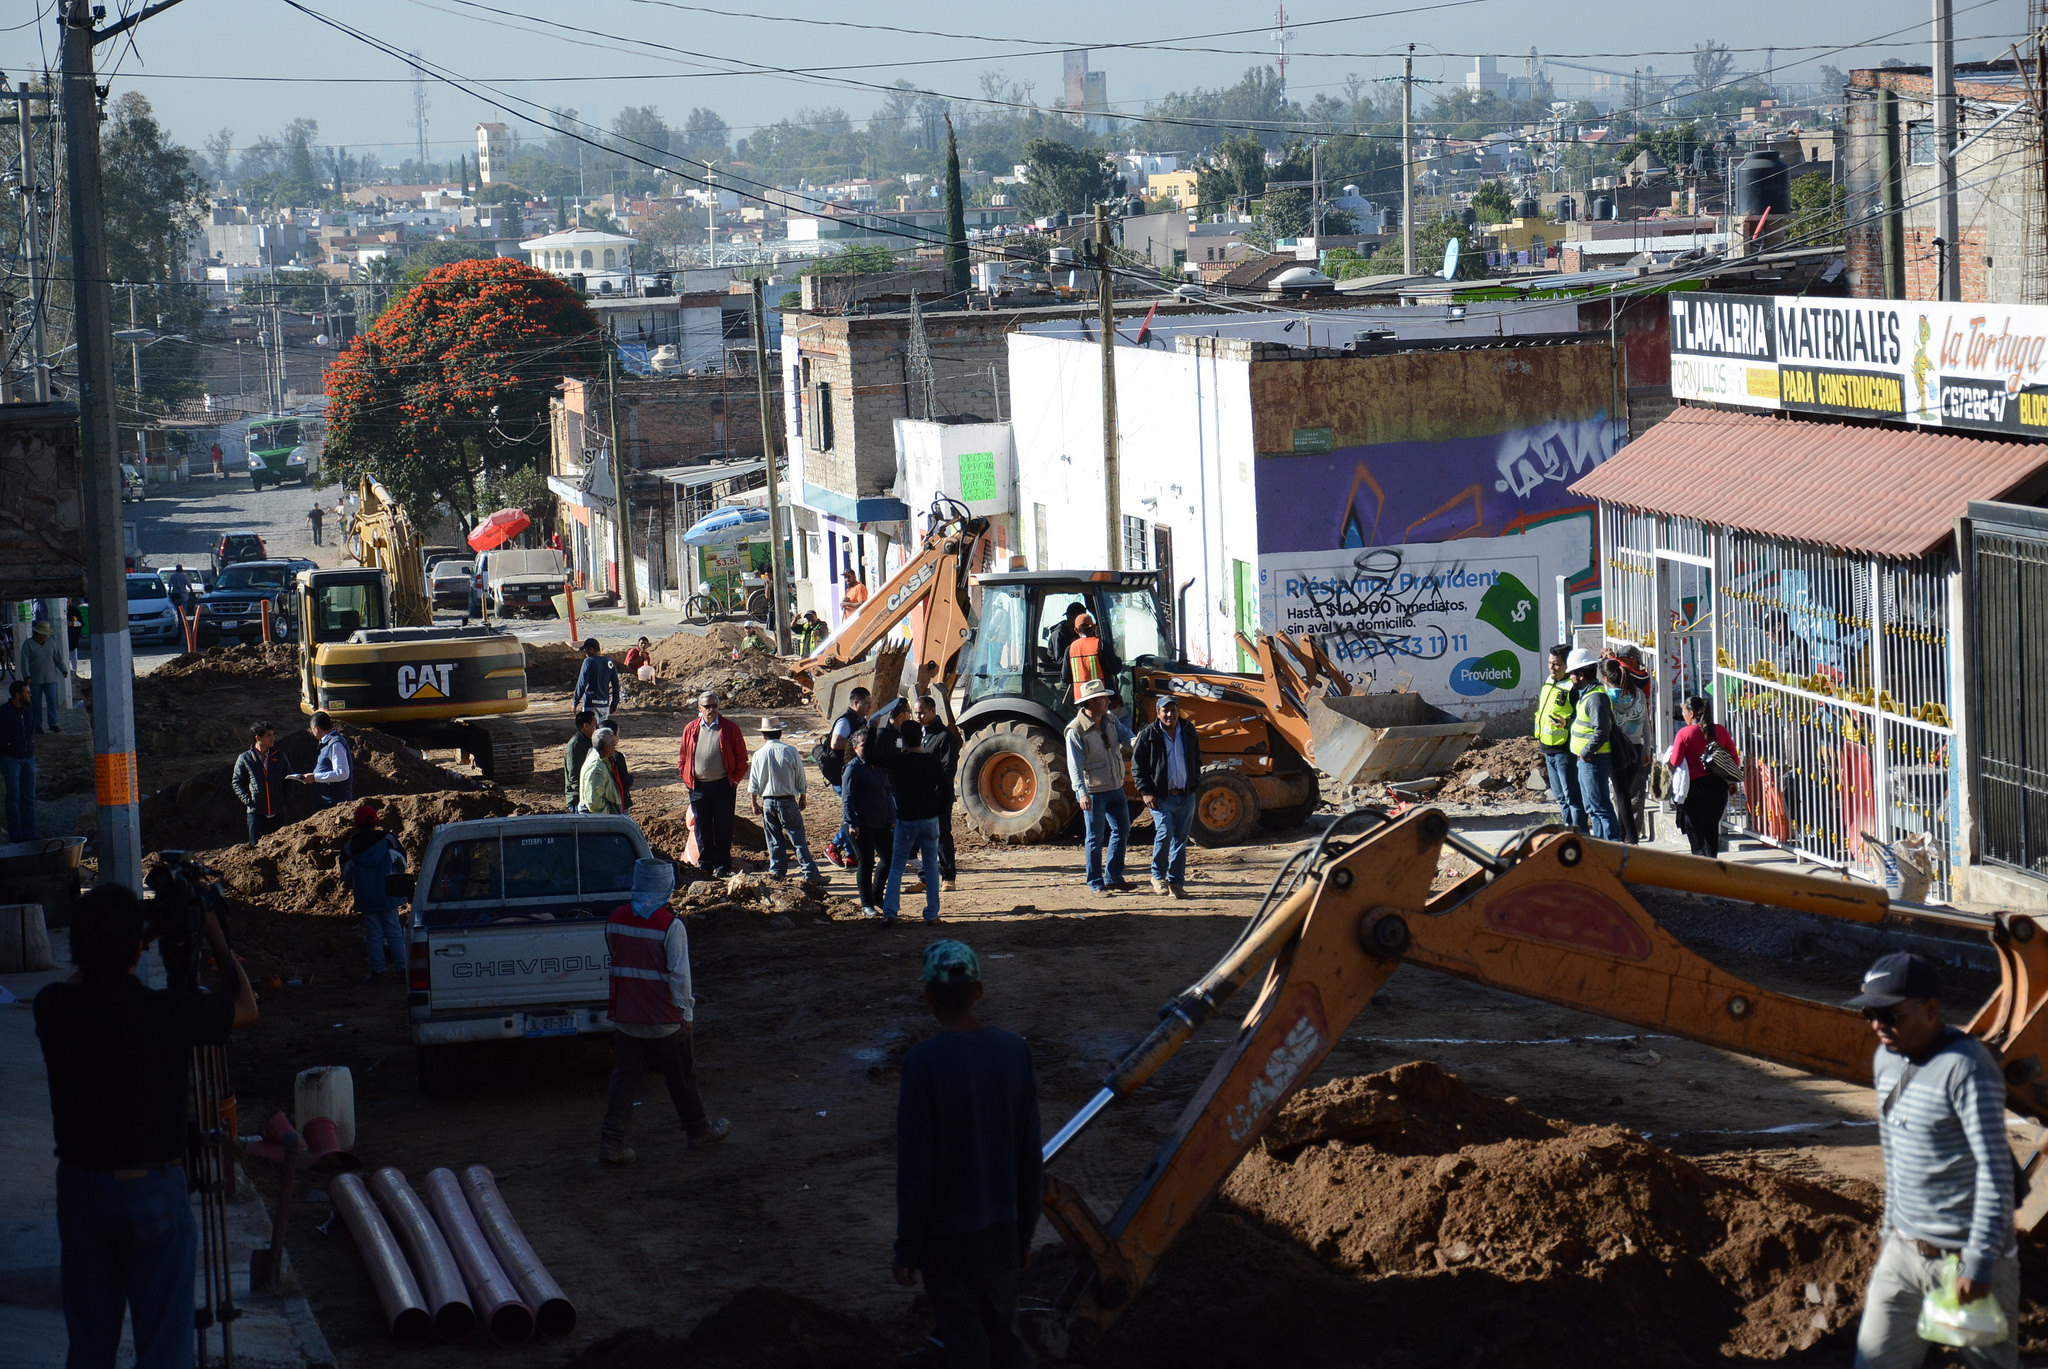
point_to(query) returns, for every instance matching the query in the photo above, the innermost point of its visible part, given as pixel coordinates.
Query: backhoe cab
(434, 687)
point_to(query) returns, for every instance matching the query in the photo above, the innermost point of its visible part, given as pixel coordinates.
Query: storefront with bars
(1804, 577)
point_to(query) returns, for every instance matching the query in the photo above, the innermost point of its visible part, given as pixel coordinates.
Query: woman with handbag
(1711, 764)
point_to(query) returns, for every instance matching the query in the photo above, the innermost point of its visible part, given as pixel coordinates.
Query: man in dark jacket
(597, 682)
(942, 743)
(919, 784)
(573, 756)
(967, 1168)
(18, 760)
(1167, 761)
(870, 820)
(259, 782)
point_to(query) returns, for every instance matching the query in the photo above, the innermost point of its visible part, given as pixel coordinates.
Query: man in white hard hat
(1593, 730)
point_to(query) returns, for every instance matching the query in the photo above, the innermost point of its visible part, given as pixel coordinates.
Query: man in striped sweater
(1948, 1170)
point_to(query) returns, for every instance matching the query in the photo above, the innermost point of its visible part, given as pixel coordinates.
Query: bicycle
(728, 599)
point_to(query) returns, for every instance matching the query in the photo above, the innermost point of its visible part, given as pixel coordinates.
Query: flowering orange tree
(451, 384)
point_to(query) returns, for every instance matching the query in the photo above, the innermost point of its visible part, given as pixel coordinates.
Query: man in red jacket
(653, 1012)
(711, 763)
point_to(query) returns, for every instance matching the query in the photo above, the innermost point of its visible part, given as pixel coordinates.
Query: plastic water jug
(327, 1091)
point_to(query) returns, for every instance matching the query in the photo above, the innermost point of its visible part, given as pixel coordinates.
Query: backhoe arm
(935, 578)
(380, 535)
(1553, 919)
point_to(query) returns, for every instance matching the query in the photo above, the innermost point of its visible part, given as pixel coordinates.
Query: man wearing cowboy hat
(1096, 739)
(43, 666)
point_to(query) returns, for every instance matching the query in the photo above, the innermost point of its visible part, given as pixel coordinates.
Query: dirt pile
(1466, 1229)
(262, 661)
(726, 657)
(668, 832)
(552, 665)
(1491, 773)
(759, 1328)
(203, 812)
(291, 914)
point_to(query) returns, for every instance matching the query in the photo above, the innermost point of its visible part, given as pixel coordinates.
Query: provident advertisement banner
(1464, 623)
(1970, 367)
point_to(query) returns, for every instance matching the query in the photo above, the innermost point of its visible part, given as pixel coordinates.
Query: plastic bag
(1946, 1320)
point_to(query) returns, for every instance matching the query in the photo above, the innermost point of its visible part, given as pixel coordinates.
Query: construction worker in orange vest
(1084, 657)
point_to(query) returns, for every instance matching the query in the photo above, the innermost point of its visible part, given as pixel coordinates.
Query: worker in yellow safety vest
(1592, 743)
(1553, 731)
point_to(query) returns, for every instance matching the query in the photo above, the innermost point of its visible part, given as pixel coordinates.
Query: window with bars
(1137, 544)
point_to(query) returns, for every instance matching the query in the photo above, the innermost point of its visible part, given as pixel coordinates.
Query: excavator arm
(936, 579)
(1553, 918)
(380, 535)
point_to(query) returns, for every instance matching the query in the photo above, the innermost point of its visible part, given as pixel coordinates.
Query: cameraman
(117, 1053)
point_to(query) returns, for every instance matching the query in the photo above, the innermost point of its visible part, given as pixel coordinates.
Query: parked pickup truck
(522, 580)
(507, 937)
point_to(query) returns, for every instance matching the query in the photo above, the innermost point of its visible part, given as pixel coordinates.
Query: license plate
(227, 624)
(553, 1024)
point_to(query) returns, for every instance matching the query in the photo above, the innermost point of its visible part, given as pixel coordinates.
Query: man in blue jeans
(1553, 732)
(1095, 763)
(18, 761)
(1167, 761)
(117, 1054)
(920, 786)
(1592, 741)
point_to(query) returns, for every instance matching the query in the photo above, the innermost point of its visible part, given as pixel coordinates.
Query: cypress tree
(956, 217)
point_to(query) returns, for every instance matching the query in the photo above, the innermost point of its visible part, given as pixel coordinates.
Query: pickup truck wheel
(440, 1069)
(1014, 785)
(1226, 809)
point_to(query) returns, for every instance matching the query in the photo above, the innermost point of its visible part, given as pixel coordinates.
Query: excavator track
(506, 753)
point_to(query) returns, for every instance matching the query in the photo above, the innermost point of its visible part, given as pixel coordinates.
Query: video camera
(185, 891)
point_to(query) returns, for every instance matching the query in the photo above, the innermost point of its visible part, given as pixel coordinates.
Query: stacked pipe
(442, 1266)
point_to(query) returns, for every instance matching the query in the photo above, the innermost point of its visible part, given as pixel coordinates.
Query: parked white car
(150, 616)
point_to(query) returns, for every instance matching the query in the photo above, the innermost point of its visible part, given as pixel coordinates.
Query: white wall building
(604, 260)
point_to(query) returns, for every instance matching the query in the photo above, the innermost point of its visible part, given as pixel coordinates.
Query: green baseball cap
(950, 962)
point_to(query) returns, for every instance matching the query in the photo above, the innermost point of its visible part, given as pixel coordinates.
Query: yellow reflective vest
(1554, 712)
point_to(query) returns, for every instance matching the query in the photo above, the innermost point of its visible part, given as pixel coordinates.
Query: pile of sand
(1406, 1212)
(552, 665)
(668, 833)
(263, 660)
(203, 812)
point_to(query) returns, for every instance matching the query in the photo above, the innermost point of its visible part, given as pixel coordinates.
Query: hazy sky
(187, 59)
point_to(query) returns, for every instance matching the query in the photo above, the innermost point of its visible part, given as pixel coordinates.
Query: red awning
(1880, 491)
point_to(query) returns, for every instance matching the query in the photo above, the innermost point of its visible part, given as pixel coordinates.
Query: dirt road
(801, 1025)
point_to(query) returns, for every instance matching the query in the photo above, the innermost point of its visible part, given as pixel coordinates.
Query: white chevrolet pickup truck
(507, 934)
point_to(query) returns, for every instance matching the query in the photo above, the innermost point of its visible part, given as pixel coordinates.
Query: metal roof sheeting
(1892, 492)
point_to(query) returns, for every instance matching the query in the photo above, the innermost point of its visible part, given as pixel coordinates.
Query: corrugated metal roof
(1881, 491)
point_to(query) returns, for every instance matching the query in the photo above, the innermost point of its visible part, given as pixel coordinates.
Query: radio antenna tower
(419, 110)
(1280, 36)
(923, 381)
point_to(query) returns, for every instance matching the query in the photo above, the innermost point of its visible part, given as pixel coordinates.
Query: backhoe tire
(1226, 809)
(1014, 785)
(504, 752)
(1294, 814)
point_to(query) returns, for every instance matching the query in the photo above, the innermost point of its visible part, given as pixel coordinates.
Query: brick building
(1889, 165)
(684, 441)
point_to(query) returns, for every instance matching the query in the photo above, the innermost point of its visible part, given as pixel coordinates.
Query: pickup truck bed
(507, 940)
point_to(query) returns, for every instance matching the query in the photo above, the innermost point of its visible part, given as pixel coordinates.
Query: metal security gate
(2008, 551)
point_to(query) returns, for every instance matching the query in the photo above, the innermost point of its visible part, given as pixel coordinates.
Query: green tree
(854, 259)
(1819, 210)
(1431, 238)
(1711, 64)
(153, 202)
(1235, 172)
(293, 289)
(704, 135)
(1673, 146)
(640, 134)
(431, 256)
(421, 400)
(1282, 214)
(1071, 178)
(1490, 201)
(956, 218)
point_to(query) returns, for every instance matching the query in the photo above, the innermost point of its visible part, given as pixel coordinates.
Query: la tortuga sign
(1971, 367)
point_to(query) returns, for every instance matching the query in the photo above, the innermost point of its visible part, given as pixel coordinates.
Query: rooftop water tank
(1763, 183)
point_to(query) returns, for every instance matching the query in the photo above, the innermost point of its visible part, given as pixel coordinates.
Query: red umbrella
(499, 528)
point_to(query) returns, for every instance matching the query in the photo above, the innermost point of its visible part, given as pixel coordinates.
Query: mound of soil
(290, 914)
(203, 812)
(552, 665)
(727, 658)
(759, 1328)
(1465, 1229)
(263, 661)
(668, 832)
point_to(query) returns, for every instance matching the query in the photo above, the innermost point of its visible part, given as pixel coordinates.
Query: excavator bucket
(880, 673)
(1363, 737)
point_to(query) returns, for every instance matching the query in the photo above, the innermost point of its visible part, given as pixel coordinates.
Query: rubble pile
(1406, 1211)
(261, 660)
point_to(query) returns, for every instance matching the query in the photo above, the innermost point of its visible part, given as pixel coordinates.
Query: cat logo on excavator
(425, 681)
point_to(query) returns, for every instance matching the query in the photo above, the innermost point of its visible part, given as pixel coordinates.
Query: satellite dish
(1450, 271)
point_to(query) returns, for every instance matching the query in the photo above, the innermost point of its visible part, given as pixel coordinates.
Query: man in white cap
(653, 1012)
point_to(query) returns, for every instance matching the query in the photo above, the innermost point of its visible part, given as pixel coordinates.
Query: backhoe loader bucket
(881, 674)
(1362, 737)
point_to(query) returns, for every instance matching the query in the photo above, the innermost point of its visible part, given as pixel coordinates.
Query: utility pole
(778, 595)
(1408, 162)
(622, 529)
(118, 837)
(1112, 489)
(135, 378)
(32, 252)
(1947, 215)
(1315, 189)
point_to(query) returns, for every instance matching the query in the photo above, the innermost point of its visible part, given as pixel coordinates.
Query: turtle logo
(425, 682)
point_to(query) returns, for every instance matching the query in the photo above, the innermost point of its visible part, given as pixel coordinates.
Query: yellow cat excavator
(1554, 916)
(991, 646)
(371, 653)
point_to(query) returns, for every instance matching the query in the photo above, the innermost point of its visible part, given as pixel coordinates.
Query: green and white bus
(282, 450)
